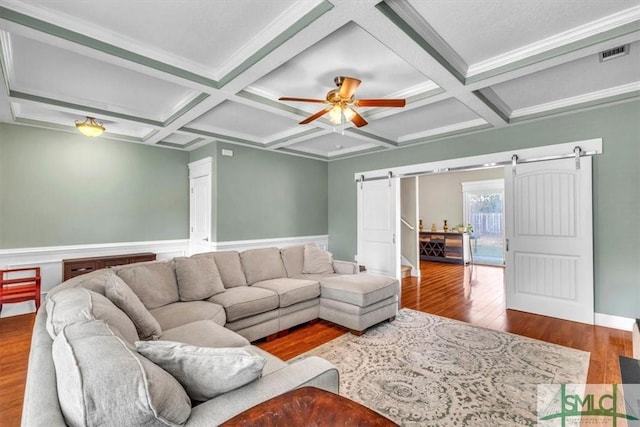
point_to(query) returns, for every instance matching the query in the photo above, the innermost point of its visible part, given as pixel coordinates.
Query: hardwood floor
(444, 289)
(15, 341)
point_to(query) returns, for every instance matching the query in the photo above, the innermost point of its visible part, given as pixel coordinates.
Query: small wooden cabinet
(77, 266)
(450, 247)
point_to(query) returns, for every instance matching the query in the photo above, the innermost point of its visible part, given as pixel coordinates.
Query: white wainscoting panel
(49, 259)
(280, 242)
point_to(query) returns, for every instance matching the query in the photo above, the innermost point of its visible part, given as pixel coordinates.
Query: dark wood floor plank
(443, 289)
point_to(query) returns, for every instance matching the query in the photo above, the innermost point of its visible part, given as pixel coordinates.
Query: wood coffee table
(309, 406)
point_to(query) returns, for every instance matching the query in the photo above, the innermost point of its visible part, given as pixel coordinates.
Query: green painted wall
(616, 190)
(261, 194)
(59, 188)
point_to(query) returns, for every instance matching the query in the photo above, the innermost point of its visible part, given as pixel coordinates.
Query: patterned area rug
(425, 370)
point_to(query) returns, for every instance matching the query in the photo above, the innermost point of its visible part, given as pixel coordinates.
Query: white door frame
(589, 145)
(198, 169)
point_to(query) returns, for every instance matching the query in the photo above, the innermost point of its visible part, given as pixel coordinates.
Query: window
(483, 207)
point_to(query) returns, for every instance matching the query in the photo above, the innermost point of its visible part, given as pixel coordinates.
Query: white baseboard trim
(415, 272)
(615, 322)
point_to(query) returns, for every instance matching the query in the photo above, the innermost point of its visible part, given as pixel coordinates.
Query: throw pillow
(198, 278)
(204, 372)
(126, 300)
(103, 381)
(154, 282)
(316, 260)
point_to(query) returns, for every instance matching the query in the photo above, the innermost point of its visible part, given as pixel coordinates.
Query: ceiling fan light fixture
(348, 113)
(335, 115)
(90, 127)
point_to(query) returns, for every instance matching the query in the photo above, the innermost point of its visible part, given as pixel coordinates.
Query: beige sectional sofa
(137, 344)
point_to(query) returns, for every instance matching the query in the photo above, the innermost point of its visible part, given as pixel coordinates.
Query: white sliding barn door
(549, 257)
(379, 226)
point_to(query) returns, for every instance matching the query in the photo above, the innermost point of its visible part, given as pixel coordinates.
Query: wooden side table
(309, 406)
(77, 266)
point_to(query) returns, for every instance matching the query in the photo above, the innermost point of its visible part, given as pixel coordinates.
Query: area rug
(426, 370)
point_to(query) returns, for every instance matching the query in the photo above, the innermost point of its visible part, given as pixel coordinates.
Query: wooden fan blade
(358, 120)
(348, 87)
(315, 116)
(286, 98)
(380, 102)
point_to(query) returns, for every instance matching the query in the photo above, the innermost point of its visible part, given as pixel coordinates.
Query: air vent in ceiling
(615, 52)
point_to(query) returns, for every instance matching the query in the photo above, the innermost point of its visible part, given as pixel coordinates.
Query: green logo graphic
(595, 404)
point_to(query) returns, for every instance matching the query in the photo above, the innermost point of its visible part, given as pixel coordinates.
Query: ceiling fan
(341, 101)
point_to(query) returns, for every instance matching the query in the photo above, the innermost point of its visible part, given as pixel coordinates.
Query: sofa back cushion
(126, 300)
(229, 266)
(198, 278)
(94, 281)
(316, 260)
(75, 305)
(102, 381)
(262, 264)
(293, 258)
(153, 282)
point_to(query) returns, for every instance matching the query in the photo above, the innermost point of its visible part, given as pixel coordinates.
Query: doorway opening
(547, 224)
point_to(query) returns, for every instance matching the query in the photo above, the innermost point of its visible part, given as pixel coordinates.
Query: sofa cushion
(182, 313)
(80, 305)
(291, 291)
(204, 333)
(315, 277)
(154, 282)
(229, 266)
(94, 281)
(102, 381)
(198, 278)
(316, 260)
(262, 264)
(359, 289)
(292, 258)
(126, 300)
(205, 372)
(245, 301)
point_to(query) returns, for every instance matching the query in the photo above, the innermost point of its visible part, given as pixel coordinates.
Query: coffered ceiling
(181, 74)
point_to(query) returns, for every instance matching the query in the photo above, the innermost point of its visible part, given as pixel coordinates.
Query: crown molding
(576, 100)
(442, 130)
(560, 40)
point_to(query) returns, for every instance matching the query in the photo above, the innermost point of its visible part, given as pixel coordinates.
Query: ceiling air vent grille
(615, 52)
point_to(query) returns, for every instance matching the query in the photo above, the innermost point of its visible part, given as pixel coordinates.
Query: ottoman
(358, 301)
